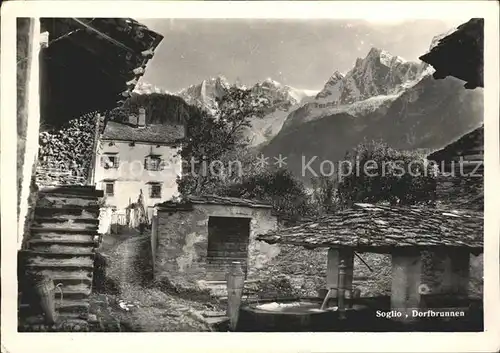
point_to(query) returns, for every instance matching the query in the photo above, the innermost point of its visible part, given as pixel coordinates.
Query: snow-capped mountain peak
(205, 93)
(332, 88)
(337, 76)
(376, 56)
(379, 73)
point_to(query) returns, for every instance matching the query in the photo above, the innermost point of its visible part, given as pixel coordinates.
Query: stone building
(135, 157)
(76, 69)
(195, 241)
(430, 249)
(460, 54)
(460, 179)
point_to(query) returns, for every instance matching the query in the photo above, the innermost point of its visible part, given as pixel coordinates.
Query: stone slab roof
(472, 141)
(374, 228)
(460, 54)
(189, 201)
(93, 63)
(161, 134)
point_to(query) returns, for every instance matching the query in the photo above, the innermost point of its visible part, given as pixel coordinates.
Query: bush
(382, 174)
(279, 187)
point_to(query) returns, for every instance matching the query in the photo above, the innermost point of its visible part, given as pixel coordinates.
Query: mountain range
(204, 95)
(383, 97)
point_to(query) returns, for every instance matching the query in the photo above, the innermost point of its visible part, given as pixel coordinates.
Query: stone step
(76, 236)
(67, 276)
(73, 190)
(84, 262)
(70, 290)
(47, 230)
(60, 200)
(67, 212)
(56, 238)
(72, 306)
(81, 294)
(83, 240)
(56, 255)
(64, 305)
(62, 222)
(58, 249)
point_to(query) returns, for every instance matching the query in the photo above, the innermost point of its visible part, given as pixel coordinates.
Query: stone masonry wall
(294, 270)
(305, 271)
(182, 249)
(183, 239)
(22, 73)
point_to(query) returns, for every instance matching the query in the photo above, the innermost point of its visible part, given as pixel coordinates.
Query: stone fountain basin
(296, 315)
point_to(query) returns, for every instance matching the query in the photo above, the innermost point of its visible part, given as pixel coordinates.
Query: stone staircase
(61, 245)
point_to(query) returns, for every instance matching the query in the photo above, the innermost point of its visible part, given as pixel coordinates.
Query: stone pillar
(437, 273)
(335, 255)
(460, 271)
(446, 271)
(406, 273)
(235, 284)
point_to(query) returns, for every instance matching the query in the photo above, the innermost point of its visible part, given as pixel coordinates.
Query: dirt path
(138, 305)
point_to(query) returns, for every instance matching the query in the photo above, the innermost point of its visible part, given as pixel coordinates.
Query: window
(155, 191)
(153, 162)
(110, 160)
(109, 188)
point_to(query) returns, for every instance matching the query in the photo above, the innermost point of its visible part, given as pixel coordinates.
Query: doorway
(228, 239)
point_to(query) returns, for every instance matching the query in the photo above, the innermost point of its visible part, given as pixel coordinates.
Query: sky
(299, 53)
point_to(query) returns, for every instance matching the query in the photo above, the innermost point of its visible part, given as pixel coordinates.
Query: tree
(325, 198)
(279, 187)
(212, 141)
(374, 172)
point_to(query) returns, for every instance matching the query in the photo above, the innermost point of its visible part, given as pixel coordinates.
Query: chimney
(141, 119)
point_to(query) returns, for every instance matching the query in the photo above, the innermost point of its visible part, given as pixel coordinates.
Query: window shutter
(117, 161)
(103, 161)
(146, 163)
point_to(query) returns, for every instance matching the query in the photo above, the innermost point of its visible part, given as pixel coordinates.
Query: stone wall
(476, 276)
(287, 269)
(183, 239)
(461, 192)
(27, 119)
(305, 270)
(24, 27)
(181, 252)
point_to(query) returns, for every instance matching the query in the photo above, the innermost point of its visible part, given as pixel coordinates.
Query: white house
(135, 157)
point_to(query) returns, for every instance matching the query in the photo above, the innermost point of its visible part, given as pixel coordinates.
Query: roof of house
(92, 64)
(471, 142)
(189, 201)
(374, 228)
(160, 134)
(460, 54)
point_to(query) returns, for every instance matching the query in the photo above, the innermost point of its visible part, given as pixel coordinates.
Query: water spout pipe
(341, 289)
